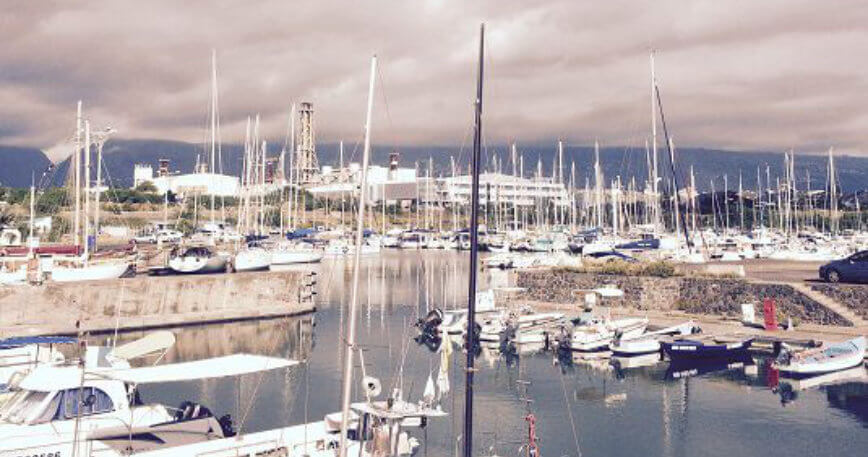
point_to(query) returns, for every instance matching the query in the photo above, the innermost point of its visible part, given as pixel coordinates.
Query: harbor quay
(148, 302)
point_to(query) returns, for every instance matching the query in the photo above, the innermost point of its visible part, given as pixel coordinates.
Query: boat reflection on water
(681, 369)
(852, 397)
(789, 389)
(292, 338)
(639, 361)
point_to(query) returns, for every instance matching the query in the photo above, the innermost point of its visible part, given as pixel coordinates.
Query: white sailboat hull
(92, 272)
(288, 257)
(252, 260)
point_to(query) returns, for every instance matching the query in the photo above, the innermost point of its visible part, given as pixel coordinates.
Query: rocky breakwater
(150, 302)
(694, 295)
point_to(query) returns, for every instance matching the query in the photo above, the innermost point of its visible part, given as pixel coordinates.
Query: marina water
(603, 408)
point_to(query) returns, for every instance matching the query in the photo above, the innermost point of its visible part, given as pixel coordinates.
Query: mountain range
(18, 164)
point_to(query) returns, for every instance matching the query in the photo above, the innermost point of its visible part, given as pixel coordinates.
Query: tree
(146, 187)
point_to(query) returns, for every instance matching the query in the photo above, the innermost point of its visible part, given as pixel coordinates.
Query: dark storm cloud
(750, 75)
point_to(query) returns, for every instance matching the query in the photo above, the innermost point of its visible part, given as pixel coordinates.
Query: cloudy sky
(748, 75)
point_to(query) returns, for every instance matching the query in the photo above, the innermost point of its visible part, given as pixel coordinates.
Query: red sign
(771, 318)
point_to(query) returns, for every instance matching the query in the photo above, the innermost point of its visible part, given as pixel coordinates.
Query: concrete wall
(144, 302)
(721, 297)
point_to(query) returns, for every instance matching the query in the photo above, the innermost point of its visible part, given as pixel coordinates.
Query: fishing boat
(704, 348)
(196, 260)
(831, 358)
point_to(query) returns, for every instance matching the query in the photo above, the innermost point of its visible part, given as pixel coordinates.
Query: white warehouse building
(188, 184)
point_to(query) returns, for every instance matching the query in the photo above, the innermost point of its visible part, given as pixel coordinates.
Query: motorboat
(705, 348)
(649, 342)
(197, 260)
(827, 359)
(20, 355)
(521, 326)
(66, 410)
(597, 336)
(252, 258)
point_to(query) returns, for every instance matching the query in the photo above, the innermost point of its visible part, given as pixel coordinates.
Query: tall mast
(360, 221)
(726, 203)
(740, 202)
(99, 145)
(474, 253)
(514, 193)
(76, 163)
(833, 194)
(32, 215)
(212, 169)
(654, 174)
(86, 189)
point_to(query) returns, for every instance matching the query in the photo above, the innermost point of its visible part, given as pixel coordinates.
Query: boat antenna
(360, 222)
(474, 253)
(672, 167)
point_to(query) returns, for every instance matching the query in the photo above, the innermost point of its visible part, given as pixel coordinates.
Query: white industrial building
(505, 189)
(187, 184)
(392, 183)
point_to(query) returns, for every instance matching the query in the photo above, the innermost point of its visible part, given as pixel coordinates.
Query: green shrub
(660, 269)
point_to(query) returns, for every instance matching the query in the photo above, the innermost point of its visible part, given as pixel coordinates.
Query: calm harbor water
(588, 408)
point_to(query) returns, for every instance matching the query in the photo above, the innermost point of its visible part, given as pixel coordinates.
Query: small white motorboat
(649, 342)
(597, 336)
(834, 357)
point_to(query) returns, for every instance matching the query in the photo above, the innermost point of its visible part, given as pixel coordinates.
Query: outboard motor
(227, 426)
(431, 322)
(430, 340)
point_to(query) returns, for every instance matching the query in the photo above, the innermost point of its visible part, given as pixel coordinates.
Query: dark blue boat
(693, 349)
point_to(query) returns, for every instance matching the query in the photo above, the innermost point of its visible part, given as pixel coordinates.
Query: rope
(570, 413)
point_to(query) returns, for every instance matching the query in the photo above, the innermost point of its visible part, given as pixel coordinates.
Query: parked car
(850, 269)
(169, 236)
(148, 238)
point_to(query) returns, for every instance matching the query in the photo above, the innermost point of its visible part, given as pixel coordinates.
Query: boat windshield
(21, 406)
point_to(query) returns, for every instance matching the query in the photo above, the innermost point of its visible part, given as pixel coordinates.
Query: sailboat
(84, 267)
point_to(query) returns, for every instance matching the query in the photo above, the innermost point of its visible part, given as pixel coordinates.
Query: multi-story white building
(506, 189)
